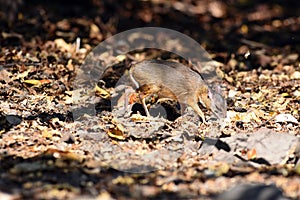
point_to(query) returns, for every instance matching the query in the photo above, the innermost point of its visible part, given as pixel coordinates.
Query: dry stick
(265, 122)
(13, 64)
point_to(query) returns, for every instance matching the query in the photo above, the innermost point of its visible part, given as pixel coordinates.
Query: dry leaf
(124, 180)
(22, 75)
(61, 44)
(50, 133)
(116, 131)
(251, 154)
(133, 98)
(95, 32)
(37, 83)
(64, 154)
(102, 92)
(139, 118)
(5, 75)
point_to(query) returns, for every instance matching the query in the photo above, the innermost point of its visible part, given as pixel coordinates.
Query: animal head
(211, 98)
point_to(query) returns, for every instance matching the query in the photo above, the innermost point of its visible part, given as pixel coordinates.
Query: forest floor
(51, 147)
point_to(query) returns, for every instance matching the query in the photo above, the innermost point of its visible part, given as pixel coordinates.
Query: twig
(13, 64)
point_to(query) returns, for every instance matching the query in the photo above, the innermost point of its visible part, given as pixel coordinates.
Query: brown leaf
(116, 131)
(37, 83)
(5, 75)
(251, 154)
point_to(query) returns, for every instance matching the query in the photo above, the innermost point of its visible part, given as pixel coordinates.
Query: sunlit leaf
(102, 92)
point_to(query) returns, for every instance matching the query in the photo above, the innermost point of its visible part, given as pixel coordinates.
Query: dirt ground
(52, 147)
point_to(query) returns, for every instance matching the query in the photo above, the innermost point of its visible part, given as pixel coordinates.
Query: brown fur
(171, 80)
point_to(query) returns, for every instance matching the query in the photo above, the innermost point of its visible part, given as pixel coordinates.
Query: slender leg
(199, 112)
(145, 107)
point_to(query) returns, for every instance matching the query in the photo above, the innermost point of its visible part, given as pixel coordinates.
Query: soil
(55, 146)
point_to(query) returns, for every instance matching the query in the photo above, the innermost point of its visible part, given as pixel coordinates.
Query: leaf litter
(45, 153)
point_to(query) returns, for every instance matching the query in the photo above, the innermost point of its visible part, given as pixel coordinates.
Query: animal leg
(145, 107)
(198, 111)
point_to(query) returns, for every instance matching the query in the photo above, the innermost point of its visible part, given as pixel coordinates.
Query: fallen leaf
(116, 131)
(102, 92)
(95, 32)
(61, 44)
(139, 118)
(50, 133)
(124, 180)
(251, 154)
(133, 98)
(22, 75)
(5, 75)
(69, 155)
(37, 83)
